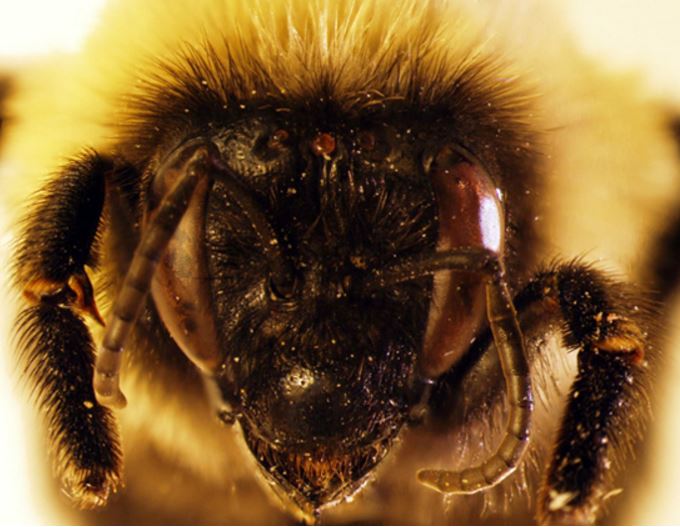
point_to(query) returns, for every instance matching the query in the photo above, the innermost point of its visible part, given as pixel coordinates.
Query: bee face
(336, 209)
(320, 367)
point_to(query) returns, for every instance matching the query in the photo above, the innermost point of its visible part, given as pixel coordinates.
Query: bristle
(284, 55)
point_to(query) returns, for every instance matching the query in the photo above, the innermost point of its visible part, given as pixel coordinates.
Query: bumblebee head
(276, 252)
(299, 277)
(277, 283)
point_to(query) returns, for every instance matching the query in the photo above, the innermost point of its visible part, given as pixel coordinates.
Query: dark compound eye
(470, 215)
(180, 284)
(470, 210)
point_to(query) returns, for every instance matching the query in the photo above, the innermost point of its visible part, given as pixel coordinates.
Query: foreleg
(607, 323)
(56, 348)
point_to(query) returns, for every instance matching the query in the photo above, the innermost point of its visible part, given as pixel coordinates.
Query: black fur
(201, 90)
(55, 345)
(607, 403)
(59, 234)
(57, 353)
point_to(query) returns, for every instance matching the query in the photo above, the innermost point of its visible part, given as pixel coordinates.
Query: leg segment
(605, 322)
(57, 353)
(509, 344)
(190, 164)
(510, 347)
(56, 348)
(60, 232)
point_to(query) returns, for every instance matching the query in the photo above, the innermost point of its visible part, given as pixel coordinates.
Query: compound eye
(470, 215)
(180, 285)
(470, 211)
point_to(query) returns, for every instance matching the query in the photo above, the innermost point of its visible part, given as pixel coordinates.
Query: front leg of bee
(56, 348)
(606, 322)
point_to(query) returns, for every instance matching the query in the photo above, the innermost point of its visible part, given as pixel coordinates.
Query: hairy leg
(607, 323)
(56, 348)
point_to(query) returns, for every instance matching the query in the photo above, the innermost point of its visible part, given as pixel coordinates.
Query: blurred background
(624, 34)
